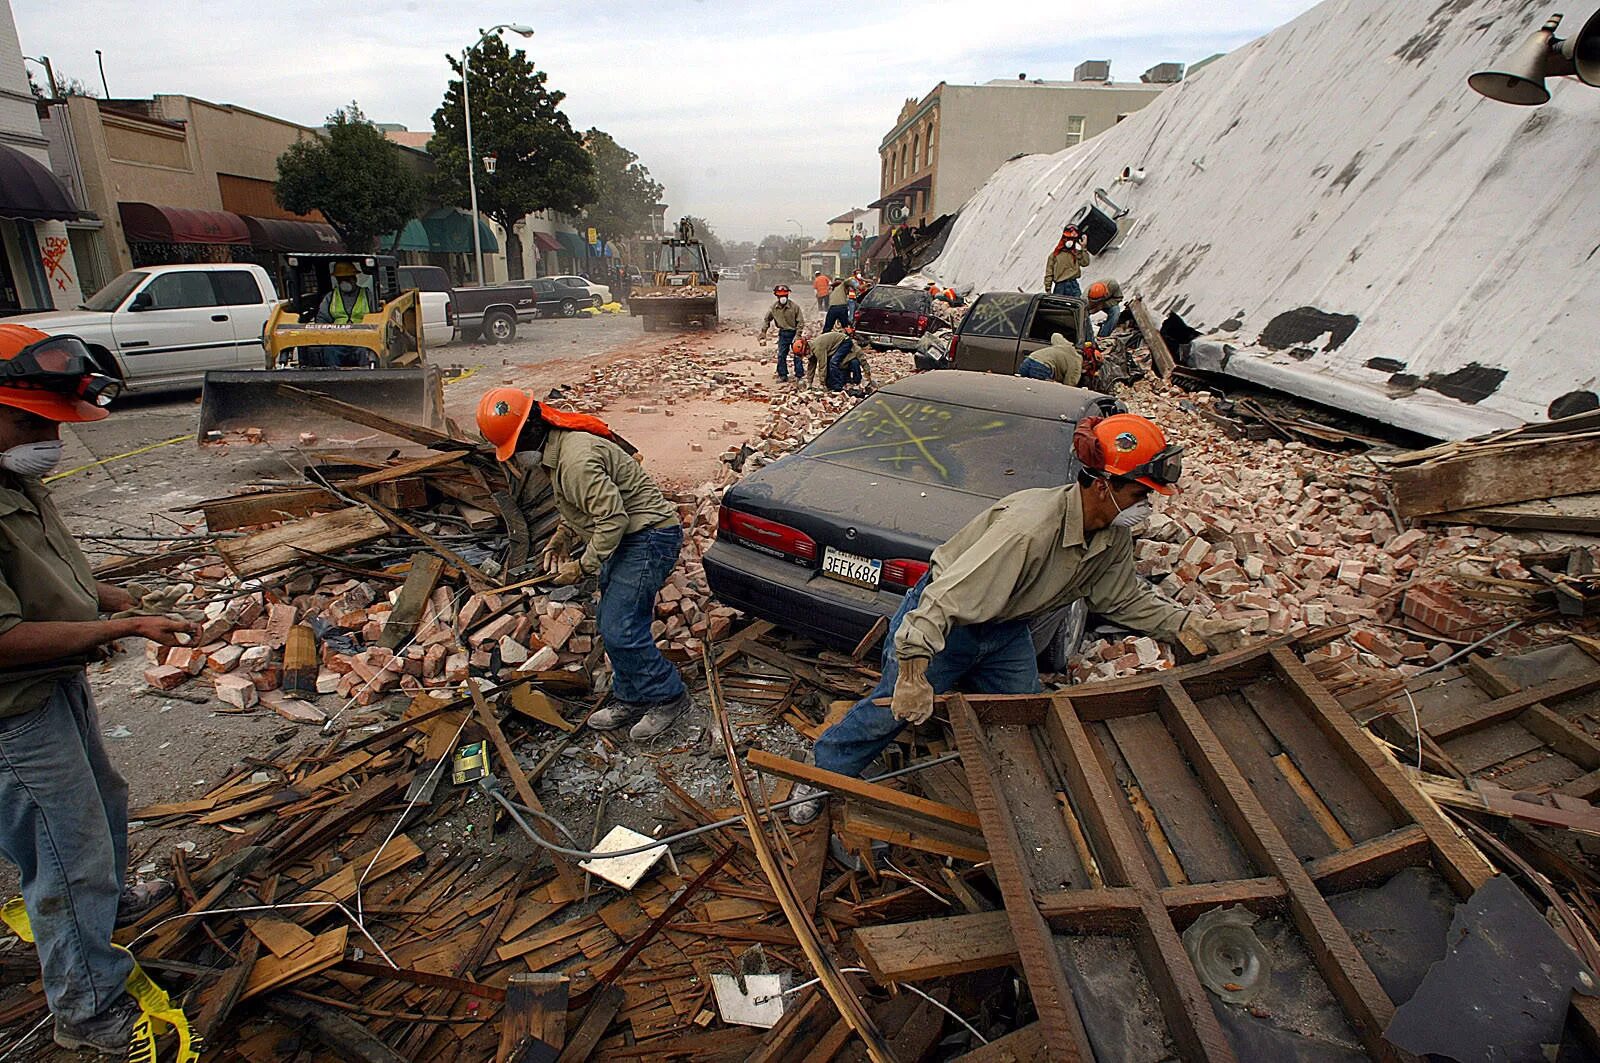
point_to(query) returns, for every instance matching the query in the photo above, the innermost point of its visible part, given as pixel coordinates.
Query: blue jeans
(629, 580)
(836, 315)
(850, 308)
(785, 342)
(840, 374)
(994, 657)
(1035, 370)
(1113, 313)
(1070, 287)
(64, 824)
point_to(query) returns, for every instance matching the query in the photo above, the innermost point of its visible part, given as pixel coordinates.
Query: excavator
(377, 362)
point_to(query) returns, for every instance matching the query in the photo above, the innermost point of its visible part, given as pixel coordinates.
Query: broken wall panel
(1118, 817)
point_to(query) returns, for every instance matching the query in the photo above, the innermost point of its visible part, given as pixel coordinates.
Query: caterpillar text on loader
(680, 290)
(374, 358)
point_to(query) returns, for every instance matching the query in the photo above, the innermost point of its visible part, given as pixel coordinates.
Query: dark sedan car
(561, 296)
(891, 316)
(828, 539)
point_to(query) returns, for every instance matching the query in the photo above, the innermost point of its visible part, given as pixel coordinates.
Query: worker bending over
(1032, 552)
(842, 358)
(629, 531)
(1060, 361)
(63, 806)
(1105, 296)
(786, 315)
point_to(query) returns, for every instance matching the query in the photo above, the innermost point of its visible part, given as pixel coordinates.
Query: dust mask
(1133, 516)
(347, 286)
(783, 300)
(32, 459)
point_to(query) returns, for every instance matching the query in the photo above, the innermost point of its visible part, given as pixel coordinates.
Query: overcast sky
(750, 114)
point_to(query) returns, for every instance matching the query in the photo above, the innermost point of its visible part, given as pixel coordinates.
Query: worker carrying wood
(1061, 362)
(63, 805)
(1033, 552)
(1066, 263)
(630, 534)
(785, 314)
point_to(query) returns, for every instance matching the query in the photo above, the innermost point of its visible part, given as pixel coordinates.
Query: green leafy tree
(716, 251)
(354, 175)
(625, 193)
(775, 248)
(739, 251)
(540, 163)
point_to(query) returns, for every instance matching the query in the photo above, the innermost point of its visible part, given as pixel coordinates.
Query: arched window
(928, 146)
(916, 152)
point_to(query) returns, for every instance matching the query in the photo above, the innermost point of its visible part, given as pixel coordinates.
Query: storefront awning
(277, 234)
(546, 242)
(30, 192)
(144, 223)
(920, 184)
(446, 231)
(573, 243)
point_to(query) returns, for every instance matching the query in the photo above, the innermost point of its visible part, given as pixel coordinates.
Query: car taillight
(903, 572)
(922, 322)
(766, 535)
(449, 313)
(950, 354)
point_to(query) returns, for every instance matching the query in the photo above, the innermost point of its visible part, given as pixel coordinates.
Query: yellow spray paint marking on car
(158, 1012)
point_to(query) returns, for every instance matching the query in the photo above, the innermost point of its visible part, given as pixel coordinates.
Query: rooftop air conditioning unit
(1163, 74)
(1093, 70)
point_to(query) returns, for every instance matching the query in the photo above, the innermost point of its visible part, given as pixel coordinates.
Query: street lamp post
(466, 108)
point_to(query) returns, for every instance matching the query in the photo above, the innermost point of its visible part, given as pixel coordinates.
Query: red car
(890, 316)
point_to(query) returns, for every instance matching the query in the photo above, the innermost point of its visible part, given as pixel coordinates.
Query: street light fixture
(466, 107)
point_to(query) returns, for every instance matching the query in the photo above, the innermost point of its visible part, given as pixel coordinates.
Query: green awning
(443, 231)
(573, 243)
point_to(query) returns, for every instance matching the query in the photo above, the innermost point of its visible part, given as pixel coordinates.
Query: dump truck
(681, 290)
(378, 362)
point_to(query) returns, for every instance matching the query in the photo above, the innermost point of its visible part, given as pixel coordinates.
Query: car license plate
(851, 568)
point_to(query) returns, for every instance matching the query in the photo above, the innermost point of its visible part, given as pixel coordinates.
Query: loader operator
(966, 620)
(63, 805)
(631, 534)
(346, 304)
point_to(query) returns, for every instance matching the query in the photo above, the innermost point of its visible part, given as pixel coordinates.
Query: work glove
(913, 694)
(147, 602)
(558, 551)
(569, 573)
(1210, 634)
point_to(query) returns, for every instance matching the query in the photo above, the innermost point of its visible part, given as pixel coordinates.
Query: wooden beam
(1160, 355)
(416, 433)
(403, 469)
(1111, 908)
(936, 948)
(273, 548)
(533, 1022)
(863, 791)
(1465, 719)
(1335, 955)
(1371, 861)
(596, 1021)
(1027, 1045)
(1549, 726)
(271, 973)
(1478, 477)
(414, 595)
(475, 577)
(265, 507)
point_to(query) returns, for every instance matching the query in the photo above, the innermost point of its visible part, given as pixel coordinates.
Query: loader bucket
(236, 401)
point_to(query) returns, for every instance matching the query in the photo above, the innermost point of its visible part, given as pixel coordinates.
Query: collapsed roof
(1342, 218)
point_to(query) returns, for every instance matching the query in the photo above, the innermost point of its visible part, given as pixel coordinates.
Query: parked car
(1002, 328)
(892, 316)
(492, 312)
(562, 296)
(165, 326)
(600, 293)
(730, 273)
(828, 539)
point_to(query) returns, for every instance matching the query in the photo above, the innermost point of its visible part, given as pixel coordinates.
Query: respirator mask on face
(783, 300)
(347, 287)
(32, 459)
(1133, 516)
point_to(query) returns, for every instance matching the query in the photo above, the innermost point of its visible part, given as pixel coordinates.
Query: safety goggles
(1164, 469)
(61, 364)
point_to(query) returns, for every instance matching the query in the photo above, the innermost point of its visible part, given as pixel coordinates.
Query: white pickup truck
(164, 326)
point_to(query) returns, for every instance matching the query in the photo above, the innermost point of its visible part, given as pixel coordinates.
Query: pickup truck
(165, 326)
(493, 312)
(1002, 328)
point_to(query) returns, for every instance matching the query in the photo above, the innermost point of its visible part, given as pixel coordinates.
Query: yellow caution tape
(117, 457)
(158, 1012)
(458, 378)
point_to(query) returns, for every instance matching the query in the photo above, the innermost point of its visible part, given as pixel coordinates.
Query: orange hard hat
(57, 356)
(800, 345)
(1130, 447)
(1099, 291)
(782, 289)
(501, 414)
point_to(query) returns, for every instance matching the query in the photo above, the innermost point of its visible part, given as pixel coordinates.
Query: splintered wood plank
(1371, 861)
(281, 938)
(341, 885)
(533, 1020)
(992, 795)
(1359, 813)
(273, 972)
(1231, 717)
(913, 832)
(1348, 976)
(1030, 789)
(273, 548)
(936, 948)
(861, 790)
(1446, 724)
(1027, 1045)
(414, 594)
(1460, 863)
(1190, 1018)
(1187, 816)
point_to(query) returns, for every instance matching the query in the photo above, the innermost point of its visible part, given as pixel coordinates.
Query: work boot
(659, 718)
(615, 715)
(138, 900)
(109, 1033)
(806, 811)
(849, 861)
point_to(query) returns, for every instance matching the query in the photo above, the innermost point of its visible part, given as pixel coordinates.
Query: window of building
(1074, 129)
(916, 151)
(886, 176)
(928, 147)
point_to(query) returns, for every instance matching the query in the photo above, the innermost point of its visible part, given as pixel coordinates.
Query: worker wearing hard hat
(1030, 553)
(1065, 264)
(785, 314)
(1105, 296)
(630, 536)
(347, 303)
(63, 806)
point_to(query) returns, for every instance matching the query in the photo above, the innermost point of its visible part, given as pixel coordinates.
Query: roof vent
(1093, 70)
(1163, 74)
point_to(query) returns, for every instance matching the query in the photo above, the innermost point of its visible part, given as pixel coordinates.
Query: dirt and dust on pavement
(126, 477)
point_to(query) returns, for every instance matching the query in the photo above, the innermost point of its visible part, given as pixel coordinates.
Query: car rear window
(427, 279)
(986, 452)
(997, 314)
(888, 297)
(236, 287)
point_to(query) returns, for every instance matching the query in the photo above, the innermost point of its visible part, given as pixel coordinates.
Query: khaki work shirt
(43, 577)
(839, 295)
(1027, 555)
(785, 317)
(602, 493)
(1064, 266)
(1061, 358)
